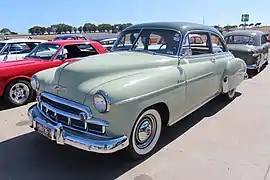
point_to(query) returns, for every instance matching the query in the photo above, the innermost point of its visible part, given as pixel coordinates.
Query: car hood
(242, 48)
(22, 62)
(79, 78)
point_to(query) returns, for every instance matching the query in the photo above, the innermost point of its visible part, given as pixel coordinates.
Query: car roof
(183, 27)
(66, 42)
(22, 40)
(245, 33)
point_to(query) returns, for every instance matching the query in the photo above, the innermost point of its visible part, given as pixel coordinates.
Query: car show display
(153, 77)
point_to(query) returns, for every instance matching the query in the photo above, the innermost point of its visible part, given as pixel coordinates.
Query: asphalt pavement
(220, 141)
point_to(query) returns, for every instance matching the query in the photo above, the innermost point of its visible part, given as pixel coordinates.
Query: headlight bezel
(107, 101)
(35, 83)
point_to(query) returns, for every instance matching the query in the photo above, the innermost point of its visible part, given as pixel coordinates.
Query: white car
(108, 43)
(16, 49)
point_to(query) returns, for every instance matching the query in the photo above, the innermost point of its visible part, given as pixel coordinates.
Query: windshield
(240, 39)
(2, 45)
(153, 41)
(44, 51)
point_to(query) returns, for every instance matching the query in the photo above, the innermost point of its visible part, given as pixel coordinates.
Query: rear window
(240, 39)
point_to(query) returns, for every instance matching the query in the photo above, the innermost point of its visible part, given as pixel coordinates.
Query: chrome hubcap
(145, 131)
(19, 93)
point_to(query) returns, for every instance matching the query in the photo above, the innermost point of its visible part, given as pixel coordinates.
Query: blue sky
(19, 15)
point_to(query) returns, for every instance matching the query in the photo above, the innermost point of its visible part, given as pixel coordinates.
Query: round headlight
(101, 101)
(34, 82)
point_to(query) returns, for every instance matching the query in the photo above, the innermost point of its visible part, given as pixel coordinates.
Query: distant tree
(75, 29)
(49, 30)
(234, 26)
(42, 30)
(258, 24)
(80, 29)
(5, 30)
(227, 27)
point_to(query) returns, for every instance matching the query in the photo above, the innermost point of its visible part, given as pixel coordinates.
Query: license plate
(44, 130)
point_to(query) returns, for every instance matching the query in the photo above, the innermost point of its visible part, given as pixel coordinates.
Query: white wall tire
(230, 95)
(145, 134)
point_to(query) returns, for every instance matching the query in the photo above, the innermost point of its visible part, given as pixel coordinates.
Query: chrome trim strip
(92, 143)
(200, 77)
(150, 93)
(67, 102)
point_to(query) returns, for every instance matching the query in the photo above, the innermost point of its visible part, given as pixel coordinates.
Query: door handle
(213, 59)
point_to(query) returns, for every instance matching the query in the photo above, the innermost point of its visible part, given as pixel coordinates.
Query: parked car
(69, 37)
(122, 99)
(14, 49)
(249, 45)
(108, 43)
(15, 78)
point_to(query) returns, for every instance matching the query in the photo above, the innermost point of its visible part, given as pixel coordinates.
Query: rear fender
(234, 74)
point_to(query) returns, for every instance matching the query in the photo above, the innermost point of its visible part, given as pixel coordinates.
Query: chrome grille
(66, 112)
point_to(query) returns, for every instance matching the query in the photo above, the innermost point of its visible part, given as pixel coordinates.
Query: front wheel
(18, 92)
(145, 134)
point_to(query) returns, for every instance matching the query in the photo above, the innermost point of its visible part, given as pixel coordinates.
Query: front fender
(234, 74)
(131, 94)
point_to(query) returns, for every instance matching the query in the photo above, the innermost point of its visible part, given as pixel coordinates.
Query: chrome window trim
(201, 30)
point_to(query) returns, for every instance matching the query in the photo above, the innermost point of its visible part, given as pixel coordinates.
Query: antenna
(203, 19)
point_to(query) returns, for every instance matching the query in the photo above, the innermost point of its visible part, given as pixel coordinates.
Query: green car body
(132, 82)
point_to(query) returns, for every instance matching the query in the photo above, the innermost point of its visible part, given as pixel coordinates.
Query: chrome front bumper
(93, 143)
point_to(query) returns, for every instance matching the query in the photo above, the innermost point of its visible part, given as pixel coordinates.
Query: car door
(222, 56)
(199, 68)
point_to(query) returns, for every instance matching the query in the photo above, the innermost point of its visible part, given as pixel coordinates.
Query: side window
(127, 40)
(217, 44)
(263, 39)
(19, 48)
(6, 50)
(197, 48)
(76, 51)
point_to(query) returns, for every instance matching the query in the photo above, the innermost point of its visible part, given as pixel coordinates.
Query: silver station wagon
(153, 78)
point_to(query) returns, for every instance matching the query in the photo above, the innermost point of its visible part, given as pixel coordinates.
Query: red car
(15, 76)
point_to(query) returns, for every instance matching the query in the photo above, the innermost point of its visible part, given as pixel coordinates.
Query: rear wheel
(230, 95)
(145, 134)
(18, 92)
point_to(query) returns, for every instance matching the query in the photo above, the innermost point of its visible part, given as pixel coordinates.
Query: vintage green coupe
(152, 78)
